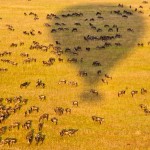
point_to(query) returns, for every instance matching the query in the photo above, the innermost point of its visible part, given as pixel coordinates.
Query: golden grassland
(125, 127)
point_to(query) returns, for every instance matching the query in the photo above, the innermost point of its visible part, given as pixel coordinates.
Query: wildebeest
(46, 63)
(143, 106)
(72, 60)
(3, 130)
(14, 125)
(77, 24)
(147, 111)
(54, 120)
(39, 137)
(25, 84)
(40, 126)
(121, 93)
(98, 119)
(34, 108)
(99, 30)
(68, 132)
(107, 76)
(60, 59)
(134, 93)
(39, 83)
(53, 31)
(73, 83)
(74, 30)
(59, 110)
(27, 124)
(104, 81)
(130, 30)
(143, 91)
(29, 136)
(94, 91)
(42, 97)
(24, 54)
(75, 103)
(68, 110)
(63, 81)
(44, 116)
(9, 141)
(99, 72)
(96, 63)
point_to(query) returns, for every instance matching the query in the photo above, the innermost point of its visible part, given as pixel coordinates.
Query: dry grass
(125, 126)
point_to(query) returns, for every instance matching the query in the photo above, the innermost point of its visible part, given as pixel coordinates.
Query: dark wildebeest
(39, 138)
(25, 84)
(44, 116)
(59, 110)
(82, 73)
(68, 132)
(40, 126)
(29, 136)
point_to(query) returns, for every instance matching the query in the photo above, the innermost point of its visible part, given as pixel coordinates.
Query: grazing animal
(143, 91)
(14, 125)
(88, 48)
(44, 116)
(59, 110)
(53, 31)
(74, 30)
(107, 76)
(121, 93)
(77, 24)
(99, 72)
(147, 111)
(73, 83)
(39, 83)
(143, 106)
(104, 81)
(54, 120)
(68, 110)
(62, 81)
(97, 119)
(25, 84)
(130, 30)
(9, 141)
(3, 130)
(40, 126)
(46, 63)
(27, 124)
(75, 103)
(60, 59)
(68, 132)
(24, 54)
(94, 92)
(99, 30)
(72, 60)
(39, 138)
(42, 97)
(96, 63)
(29, 136)
(134, 93)
(34, 108)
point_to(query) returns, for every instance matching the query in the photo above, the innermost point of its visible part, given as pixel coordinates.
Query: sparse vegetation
(74, 75)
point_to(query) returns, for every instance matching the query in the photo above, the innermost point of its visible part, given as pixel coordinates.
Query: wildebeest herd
(98, 37)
